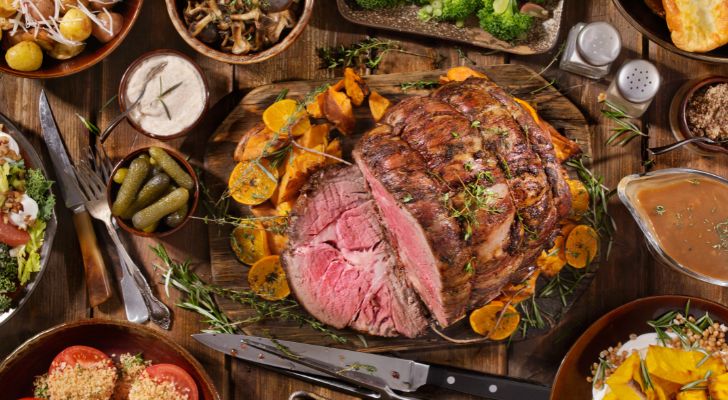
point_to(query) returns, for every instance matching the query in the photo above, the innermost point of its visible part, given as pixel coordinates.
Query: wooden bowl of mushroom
(240, 32)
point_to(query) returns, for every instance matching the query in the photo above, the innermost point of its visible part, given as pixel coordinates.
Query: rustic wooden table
(630, 273)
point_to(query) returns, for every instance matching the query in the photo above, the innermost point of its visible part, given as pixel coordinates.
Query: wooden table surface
(630, 273)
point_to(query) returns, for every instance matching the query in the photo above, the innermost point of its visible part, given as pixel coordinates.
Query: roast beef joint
(451, 198)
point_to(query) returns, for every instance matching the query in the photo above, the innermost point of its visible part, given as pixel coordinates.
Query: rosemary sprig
(200, 298)
(368, 52)
(164, 92)
(421, 84)
(626, 130)
(698, 383)
(463, 56)
(598, 215)
(89, 125)
(357, 367)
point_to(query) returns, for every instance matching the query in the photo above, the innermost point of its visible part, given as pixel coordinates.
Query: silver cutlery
(696, 139)
(367, 375)
(156, 70)
(98, 284)
(93, 173)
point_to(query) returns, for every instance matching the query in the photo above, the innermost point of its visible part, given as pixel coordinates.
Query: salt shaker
(591, 49)
(634, 86)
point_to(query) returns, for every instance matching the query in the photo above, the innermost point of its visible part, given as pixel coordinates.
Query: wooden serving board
(227, 271)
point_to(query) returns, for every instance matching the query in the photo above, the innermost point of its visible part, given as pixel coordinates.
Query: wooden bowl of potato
(56, 38)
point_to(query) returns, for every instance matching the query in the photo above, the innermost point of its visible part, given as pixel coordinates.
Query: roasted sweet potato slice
(516, 293)
(378, 105)
(338, 110)
(316, 136)
(333, 148)
(268, 280)
(551, 261)
(565, 148)
(459, 74)
(314, 108)
(355, 87)
(579, 198)
(495, 320)
(252, 182)
(249, 242)
(298, 170)
(253, 142)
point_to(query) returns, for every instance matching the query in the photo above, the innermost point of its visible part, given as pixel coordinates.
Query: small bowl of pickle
(153, 192)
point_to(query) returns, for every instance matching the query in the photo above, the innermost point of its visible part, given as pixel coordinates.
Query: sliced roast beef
(428, 239)
(339, 263)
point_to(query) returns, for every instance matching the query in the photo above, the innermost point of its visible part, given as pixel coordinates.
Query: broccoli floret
(5, 303)
(39, 189)
(374, 4)
(509, 25)
(448, 10)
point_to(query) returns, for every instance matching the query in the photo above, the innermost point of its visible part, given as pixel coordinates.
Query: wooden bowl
(112, 187)
(614, 327)
(655, 28)
(694, 87)
(124, 100)
(91, 55)
(34, 356)
(175, 9)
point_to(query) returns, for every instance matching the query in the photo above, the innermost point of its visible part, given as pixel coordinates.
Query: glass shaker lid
(638, 81)
(599, 43)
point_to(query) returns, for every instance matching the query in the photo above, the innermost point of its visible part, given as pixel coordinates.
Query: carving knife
(399, 374)
(98, 284)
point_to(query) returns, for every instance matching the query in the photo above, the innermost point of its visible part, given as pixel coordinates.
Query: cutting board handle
(98, 284)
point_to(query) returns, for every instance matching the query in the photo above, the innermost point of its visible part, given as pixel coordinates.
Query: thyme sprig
(474, 197)
(368, 52)
(421, 84)
(626, 130)
(199, 296)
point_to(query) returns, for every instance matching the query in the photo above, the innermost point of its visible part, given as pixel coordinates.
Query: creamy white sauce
(185, 103)
(641, 343)
(27, 215)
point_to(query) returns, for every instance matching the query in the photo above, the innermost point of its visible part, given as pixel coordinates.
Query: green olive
(161, 208)
(120, 174)
(132, 182)
(171, 167)
(178, 217)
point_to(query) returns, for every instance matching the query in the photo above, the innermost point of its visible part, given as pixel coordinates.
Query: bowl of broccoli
(514, 26)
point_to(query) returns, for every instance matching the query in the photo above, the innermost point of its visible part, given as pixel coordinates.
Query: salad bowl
(33, 160)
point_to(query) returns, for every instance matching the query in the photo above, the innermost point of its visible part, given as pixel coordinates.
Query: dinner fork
(92, 174)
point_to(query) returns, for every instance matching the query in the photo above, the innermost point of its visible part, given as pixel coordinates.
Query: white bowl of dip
(175, 100)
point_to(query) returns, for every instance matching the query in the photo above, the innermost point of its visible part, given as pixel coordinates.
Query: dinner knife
(399, 374)
(98, 284)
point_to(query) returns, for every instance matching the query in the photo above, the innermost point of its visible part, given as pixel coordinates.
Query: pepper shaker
(591, 49)
(634, 87)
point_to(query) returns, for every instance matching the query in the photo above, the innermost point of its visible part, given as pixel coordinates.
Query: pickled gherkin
(171, 167)
(161, 208)
(153, 190)
(134, 179)
(178, 217)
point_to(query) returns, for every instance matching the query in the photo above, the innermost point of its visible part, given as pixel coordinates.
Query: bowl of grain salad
(103, 360)
(650, 347)
(700, 109)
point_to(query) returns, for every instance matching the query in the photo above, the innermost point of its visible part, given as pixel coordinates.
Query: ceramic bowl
(112, 187)
(31, 160)
(616, 326)
(655, 28)
(678, 113)
(34, 356)
(175, 9)
(91, 55)
(124, 99)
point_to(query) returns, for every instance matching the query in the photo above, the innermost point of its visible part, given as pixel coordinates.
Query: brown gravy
(689, 217)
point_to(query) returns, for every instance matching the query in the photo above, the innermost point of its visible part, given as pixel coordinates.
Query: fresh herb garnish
(660, 210)
(474, 197)
(421, 84)
(356, 366)
(199, 296)
(368, 52)
(626, 130)
(164, 92)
